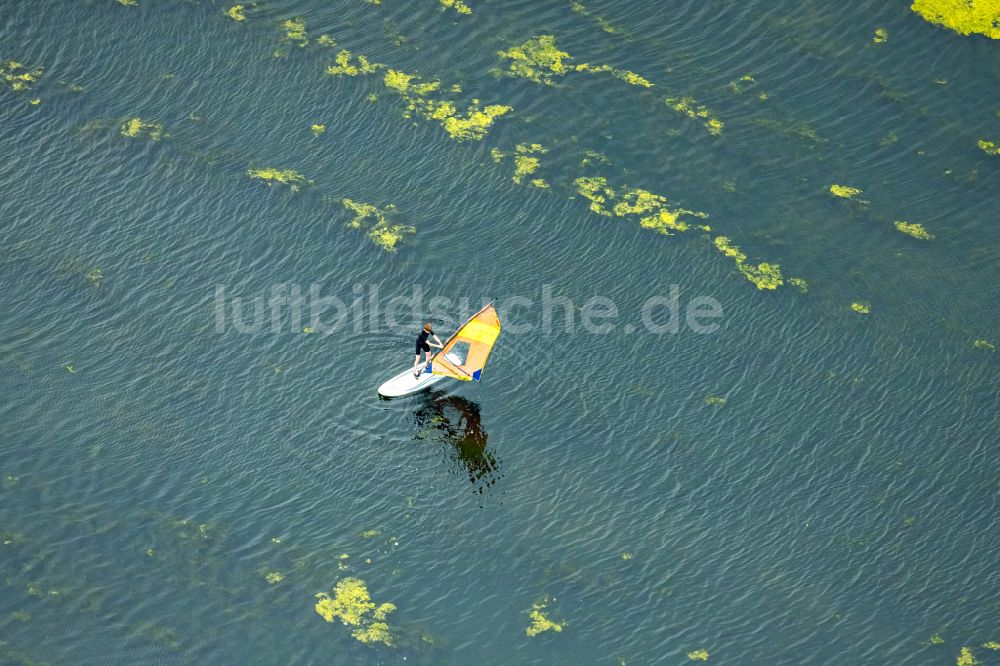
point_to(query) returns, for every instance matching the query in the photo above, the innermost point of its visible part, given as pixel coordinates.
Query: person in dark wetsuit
(424, 346)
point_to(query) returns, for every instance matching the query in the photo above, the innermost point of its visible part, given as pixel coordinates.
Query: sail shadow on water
(456, 422)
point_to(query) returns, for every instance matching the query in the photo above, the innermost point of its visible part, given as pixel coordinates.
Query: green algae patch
(128, 3)
(742, 84)
(698, 655)
(652, 209)
(989, 147)
(845, 192)
(966, 658)
(352, 604)
(992, 645)
(937, 639)
(799, 284)
(137, 127)
(18, 77)
(687, 106)
(716, 400)
(289, 177)
(385, 234)
(913, 229)
(317, 129)
(538, 60)
(881, 36)
(540, 622)
(963, 16)
(344, 66)
(294, 30)
(625, 75)
(236, 13)
(626, 556)
(526, 162)
(274, 577)
(984, 345)
(457, 5)
(474, 124)
(596, 190)
(763, 275)
(861, 308)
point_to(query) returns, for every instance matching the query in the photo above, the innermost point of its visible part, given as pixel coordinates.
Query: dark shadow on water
(456, 423)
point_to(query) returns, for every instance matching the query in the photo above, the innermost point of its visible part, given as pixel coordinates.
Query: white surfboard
(463, 357)
(406, 384)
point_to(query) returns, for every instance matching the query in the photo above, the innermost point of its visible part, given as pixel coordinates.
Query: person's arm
(439, 345)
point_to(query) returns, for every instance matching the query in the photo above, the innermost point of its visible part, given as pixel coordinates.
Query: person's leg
(416, 363)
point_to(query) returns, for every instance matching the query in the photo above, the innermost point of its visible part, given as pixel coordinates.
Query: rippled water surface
(809, 484)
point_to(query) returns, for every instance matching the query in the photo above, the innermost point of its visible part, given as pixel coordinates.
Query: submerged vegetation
(352, 604)
(601, 21)
(236, 13)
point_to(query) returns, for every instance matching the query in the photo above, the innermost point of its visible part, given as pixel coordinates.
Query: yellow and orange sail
(470, 345)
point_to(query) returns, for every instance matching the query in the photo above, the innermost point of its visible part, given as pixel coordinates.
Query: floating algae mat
(540, 60)
(527, 161)
(540, 620)
(18, 77)
(352, 605)
(424, 100)
(290, 177)
(383, 233)
(137, 127)
(963, 16)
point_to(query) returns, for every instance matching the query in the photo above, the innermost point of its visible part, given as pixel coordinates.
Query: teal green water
(839, 508)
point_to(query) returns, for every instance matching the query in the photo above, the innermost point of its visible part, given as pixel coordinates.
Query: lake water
(806, 484)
